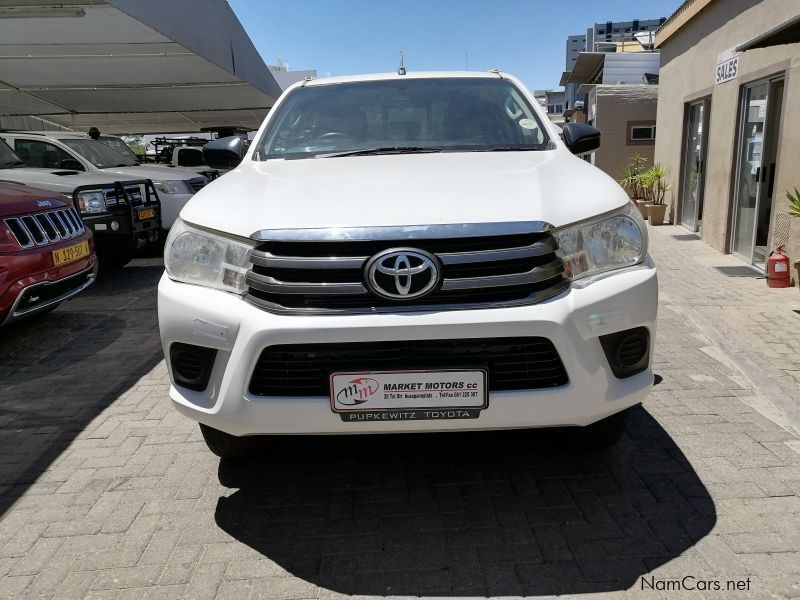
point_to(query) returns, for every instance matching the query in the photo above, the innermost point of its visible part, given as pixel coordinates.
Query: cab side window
(37, 153)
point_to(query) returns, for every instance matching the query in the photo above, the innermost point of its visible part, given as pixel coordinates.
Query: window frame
(631, 141)
(63, 154)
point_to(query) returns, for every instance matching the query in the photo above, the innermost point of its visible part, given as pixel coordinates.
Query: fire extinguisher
(778, 274)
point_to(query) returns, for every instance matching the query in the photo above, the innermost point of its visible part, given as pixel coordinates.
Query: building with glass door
(729, 85)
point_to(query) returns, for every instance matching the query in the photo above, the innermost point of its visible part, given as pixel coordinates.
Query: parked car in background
(408, 253)
(79, 152)
(172, 153)
(185, 152)
(124, 215)
(46, 252)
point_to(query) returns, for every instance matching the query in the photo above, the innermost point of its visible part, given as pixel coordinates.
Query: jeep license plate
(70, 254)
(146, 213)
(408, 395)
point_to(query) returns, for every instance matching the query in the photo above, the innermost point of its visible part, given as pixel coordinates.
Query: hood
(18, 199)
(412, 189)
(156, 173)
(54, 180)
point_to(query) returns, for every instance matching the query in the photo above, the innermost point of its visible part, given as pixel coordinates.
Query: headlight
(616, 241)
(203, 258)
(172, 187)
(91, 202)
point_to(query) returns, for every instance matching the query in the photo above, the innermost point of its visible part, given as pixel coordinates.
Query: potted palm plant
(658, 188)
(794, 210)
(631, 181)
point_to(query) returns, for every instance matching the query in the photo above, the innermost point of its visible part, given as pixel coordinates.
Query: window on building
(641, 132)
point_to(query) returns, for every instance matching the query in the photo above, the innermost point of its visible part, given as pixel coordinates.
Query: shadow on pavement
(467, 514)
(60, 371)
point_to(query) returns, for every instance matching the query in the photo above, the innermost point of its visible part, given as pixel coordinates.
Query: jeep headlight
(172, 187)
(201, 257)
(91, 202)
(614, 241)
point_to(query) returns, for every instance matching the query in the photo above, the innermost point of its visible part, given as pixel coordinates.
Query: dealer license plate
(146, 213)
(70, 254)
(408, 395)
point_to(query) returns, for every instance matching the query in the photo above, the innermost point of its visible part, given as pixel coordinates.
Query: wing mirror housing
(580, 138)
(224, 153)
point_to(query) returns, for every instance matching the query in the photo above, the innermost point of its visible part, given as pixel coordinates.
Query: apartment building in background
(610, 36)
(555, 104)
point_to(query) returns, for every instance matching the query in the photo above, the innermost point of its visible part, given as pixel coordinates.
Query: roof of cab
(52, 134)
(408, 75)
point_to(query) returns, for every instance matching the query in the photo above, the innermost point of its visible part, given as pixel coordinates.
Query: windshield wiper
(381, 150)
(13, 163)
(505, 149)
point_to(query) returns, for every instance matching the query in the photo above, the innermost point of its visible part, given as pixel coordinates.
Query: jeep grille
(50, 227)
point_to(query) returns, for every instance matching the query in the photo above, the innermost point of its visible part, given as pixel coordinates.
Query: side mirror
(580, 138)
(224, 153)
(190, 157)
(71, 164)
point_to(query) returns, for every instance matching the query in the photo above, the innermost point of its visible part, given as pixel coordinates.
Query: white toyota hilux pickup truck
(407, 253)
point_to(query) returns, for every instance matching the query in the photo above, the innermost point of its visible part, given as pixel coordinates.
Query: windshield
(120, 146)
(97, 153)
(8, 158)
(413, 115)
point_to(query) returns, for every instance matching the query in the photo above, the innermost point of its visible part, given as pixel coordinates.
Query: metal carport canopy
(132, 66)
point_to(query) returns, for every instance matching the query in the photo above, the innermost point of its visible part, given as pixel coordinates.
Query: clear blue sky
(343, 37)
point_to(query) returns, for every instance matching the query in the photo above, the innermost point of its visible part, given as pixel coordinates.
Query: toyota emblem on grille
(402, 273)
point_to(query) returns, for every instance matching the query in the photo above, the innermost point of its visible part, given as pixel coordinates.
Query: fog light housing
(627, 352)
(191, 365)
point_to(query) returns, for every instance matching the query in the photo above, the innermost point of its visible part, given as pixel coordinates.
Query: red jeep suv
(46, 253)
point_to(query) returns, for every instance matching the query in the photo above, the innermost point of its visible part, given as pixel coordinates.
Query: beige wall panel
(688, 60)
(616, 107)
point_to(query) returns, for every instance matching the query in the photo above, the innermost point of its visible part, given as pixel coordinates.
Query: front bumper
(573, 321)
(123, 224)
(171, 206)
(30, 284)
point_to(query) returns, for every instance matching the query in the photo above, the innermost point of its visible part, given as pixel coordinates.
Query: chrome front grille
(481, 265)
(44, 228)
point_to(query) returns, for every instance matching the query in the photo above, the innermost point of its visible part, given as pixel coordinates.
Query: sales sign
(727, 66)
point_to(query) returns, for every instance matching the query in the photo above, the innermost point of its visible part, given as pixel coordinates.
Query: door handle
(771, 180)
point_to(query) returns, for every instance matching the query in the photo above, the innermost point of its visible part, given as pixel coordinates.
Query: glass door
(760, 120)
(694, 165)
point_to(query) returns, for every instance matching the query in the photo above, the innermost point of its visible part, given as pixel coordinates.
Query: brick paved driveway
(106, 492)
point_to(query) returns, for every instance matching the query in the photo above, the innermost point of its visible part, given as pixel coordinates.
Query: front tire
(114, 254)
(226, 445)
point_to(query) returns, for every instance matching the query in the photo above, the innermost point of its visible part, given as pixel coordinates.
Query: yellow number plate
(64, 256)
(147, 213)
